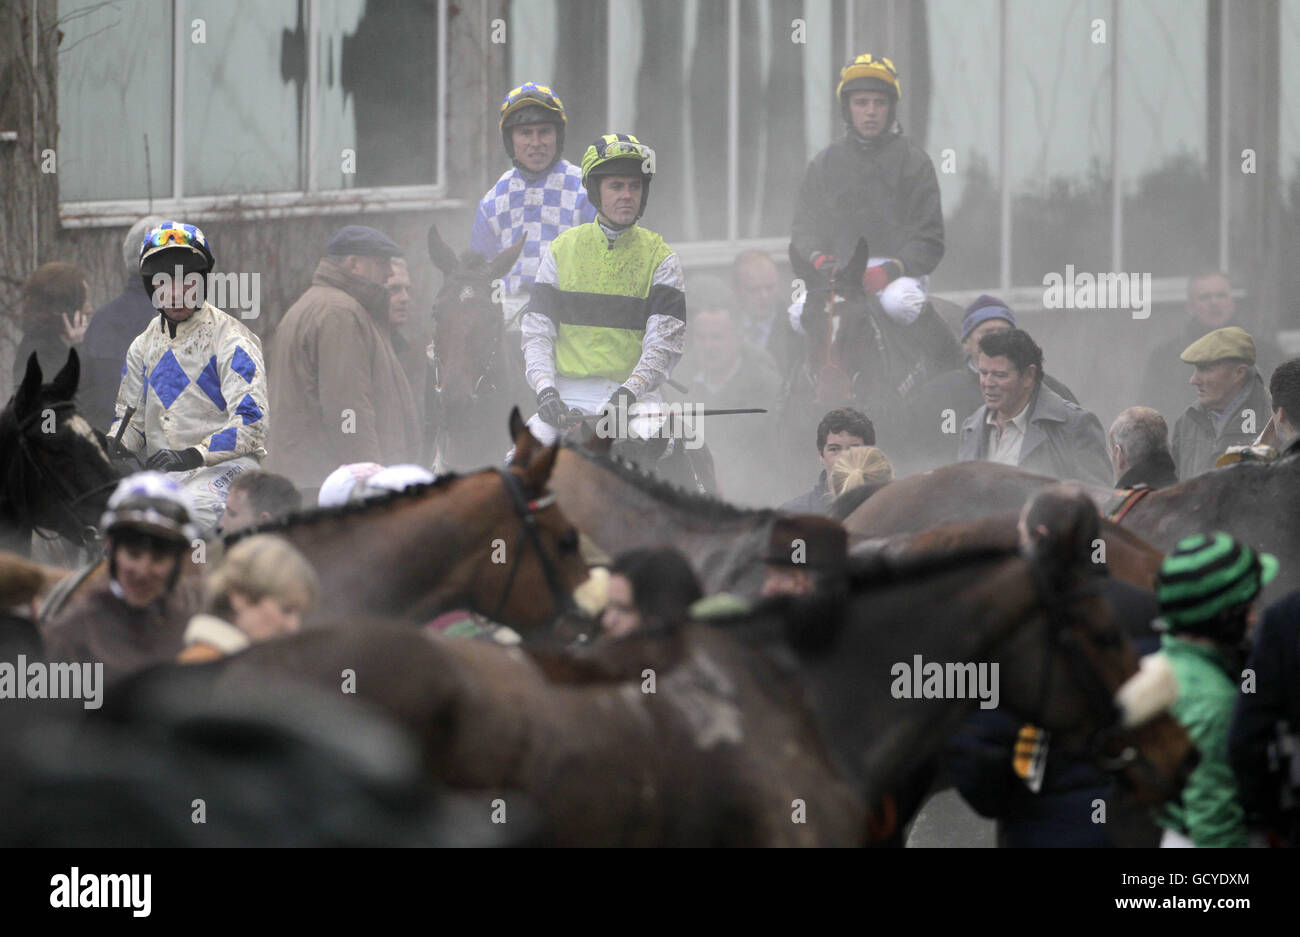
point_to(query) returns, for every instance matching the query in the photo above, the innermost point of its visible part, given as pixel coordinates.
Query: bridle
(529, 533)
(486, 372)
(66, 500)
(1098, 698)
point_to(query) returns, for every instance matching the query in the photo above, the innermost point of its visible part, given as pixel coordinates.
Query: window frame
(92, 213)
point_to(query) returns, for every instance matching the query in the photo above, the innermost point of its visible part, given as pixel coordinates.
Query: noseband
(526, 511)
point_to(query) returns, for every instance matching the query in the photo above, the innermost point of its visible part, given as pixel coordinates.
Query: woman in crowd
(260, 591)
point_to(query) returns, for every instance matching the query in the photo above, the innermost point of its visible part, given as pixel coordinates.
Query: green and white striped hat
(1208, 574)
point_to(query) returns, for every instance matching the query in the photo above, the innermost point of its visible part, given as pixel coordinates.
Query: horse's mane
(705, 505)
(313, 515)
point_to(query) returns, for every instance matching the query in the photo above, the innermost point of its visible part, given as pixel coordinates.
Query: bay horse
(1253, 501)
(493, 541)
(621, 507)
(56, 475)
(473, 369)
(1126, 556)
(778, 726)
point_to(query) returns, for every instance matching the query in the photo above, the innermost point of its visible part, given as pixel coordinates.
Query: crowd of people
(595, 316)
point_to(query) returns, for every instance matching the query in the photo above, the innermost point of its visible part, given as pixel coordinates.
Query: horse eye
(568, 542)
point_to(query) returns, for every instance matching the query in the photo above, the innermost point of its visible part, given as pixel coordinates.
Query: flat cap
(810, 541)
(1232, 342)
(361, 241)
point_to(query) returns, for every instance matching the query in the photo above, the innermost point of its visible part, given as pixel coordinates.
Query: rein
(66, 500)
(526, 511)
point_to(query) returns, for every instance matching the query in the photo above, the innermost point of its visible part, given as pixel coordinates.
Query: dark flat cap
(808, 540)
(362, 242)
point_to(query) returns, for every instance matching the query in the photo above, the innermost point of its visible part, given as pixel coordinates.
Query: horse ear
(538, 470)
(504, 262)
(443, 257)
(65, 382)
(30, 386)
(849, 276)
(804, 270)
(523, 440)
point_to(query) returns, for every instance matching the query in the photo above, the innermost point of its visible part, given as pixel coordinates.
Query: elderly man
(113, 326)
(410, 333)
(1025, 424)
(1231, 406)
(1284, 391)
(760, 299)
(1139, 449)
(1210, 306)
(336, 382)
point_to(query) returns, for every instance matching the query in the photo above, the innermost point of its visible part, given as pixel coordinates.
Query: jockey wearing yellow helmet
(607, 318)
(873, 183)
(540, 196)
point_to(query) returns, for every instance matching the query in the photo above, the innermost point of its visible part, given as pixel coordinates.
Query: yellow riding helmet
(617, 154)
(868, 72)
(532, 103)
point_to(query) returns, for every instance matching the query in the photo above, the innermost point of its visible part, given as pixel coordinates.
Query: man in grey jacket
(1025, 424)
(1232, 403)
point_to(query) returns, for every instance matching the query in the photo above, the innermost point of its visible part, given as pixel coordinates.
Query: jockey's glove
(175, 460)
(551, 408)
(621, 398)
(875, 279)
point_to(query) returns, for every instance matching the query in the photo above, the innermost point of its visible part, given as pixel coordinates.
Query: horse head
(541, 557)
(56, 471)
(1111, 706)
(468, 323)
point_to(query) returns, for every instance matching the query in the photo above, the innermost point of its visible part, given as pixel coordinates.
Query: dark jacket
(1062, 439)
(957, 390)
(815, 501)
(1061, 813)
(103, 351)
(1275, 662)
(333, 353)
(884, 189)
(1164, 382)
(1153, 471)
(979, 758)
(1195, 444)
(105, 629)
